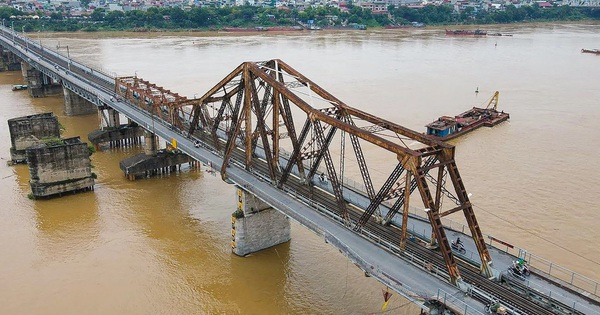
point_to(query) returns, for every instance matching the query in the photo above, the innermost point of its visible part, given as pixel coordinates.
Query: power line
(538, 236)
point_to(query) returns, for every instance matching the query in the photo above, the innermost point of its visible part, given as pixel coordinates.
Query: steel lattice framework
(162, 103)
(262, 110)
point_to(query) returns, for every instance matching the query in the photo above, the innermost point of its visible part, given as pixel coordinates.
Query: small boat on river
(465, 33)
(411, 25)
(498, 34)
(591, 51)
(245, 29)
(447, 127)
(19, 87)
(263, 29)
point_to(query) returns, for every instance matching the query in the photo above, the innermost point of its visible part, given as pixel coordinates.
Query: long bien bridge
(281, 138)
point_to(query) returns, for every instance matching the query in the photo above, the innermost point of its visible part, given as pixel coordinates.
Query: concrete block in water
(59, 166)
(164, 161)
(124, 135)
(31, 130)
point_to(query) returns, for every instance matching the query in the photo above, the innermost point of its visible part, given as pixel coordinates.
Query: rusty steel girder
(166, 105)
(273, 120)
(259, 99)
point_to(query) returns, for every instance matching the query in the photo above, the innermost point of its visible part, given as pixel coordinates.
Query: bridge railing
(32, 44)
(573, 305)
(407, 291)
(573, 278)
(541, 264)
(416, 261)
(562, 273)
(456, 304)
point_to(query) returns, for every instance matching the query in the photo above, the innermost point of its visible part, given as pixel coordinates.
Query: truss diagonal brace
(295, 158)
(362, 163)
(436, 226)
(337, 189)
(380, 196)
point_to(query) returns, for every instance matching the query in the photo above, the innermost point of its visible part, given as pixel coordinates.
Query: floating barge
(411, 25)
(245, 29)
(447, 128)
(591, 51)
(465, 33)
(262, 29)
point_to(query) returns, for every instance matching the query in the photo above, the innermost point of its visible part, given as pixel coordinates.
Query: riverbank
(201, 33)
(222, 32)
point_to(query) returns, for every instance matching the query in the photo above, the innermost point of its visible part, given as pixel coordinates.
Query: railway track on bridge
(391, 234)
(469, 273)
(74, 68)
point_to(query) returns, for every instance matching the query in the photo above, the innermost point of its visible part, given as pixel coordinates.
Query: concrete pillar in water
(28, 131)
(113, 118)
(9, 61)
(77, 105)
(60, 166)
(124, 135)
(257, 226)
(33, 77)
(150, 143)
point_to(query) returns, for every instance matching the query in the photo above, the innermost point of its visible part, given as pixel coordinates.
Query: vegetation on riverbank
(207, 18)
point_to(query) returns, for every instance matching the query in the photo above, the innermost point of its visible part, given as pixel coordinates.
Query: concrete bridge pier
(9, 61)
(121, 136)
(256, 226)
(115, 135)
(76, 105)
(113, 119)
(60, 166)
(33, 78)
(150, 143)
(39, 85)
(154, 161)
(29, 131)
(163, 163)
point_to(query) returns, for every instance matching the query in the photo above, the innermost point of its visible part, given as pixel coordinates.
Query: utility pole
(68, 54)
(25, 38)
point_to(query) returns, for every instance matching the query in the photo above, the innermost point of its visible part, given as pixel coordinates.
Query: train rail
(497, 291)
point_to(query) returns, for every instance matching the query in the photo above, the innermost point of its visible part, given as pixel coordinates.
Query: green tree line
(251, 16)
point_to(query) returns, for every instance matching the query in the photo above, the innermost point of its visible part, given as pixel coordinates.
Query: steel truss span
(269, 111)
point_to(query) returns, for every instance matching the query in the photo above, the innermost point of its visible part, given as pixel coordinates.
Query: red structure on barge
(447, 127)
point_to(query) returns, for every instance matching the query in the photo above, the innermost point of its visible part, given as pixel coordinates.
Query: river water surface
(162, 245)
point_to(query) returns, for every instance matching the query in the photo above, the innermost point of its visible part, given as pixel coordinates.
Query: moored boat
(18, 87)
(285, 29)
(263, 29)
(411, 25)
(245, 29)
(447, 127)
(466, 33)
(351, 26)
(498, 34)
(591, 51)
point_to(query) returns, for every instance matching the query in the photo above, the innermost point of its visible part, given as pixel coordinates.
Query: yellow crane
(494, 101)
